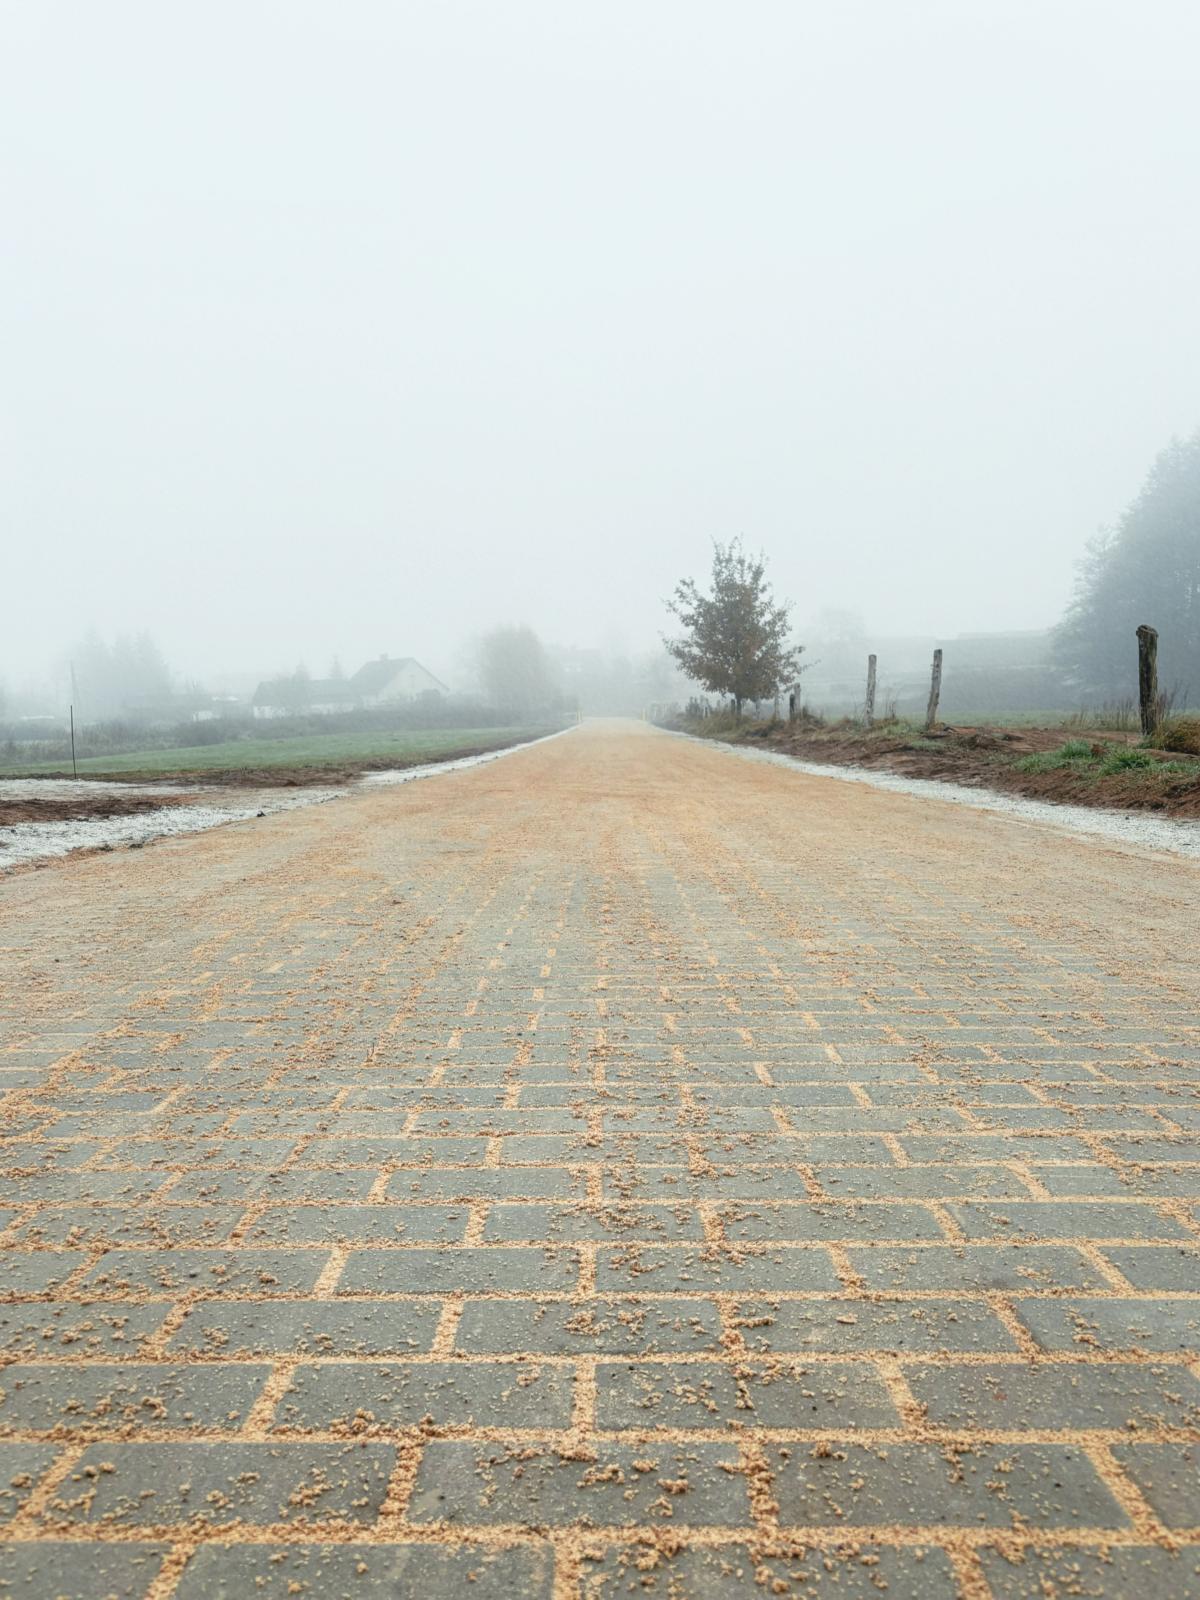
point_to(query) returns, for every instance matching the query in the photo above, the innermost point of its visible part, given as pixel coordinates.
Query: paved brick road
(622, 1169)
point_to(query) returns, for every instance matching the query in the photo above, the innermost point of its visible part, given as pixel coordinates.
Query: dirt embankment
(75, 808)
(995, 758)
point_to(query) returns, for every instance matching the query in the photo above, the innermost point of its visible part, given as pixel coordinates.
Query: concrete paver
(620, 1169)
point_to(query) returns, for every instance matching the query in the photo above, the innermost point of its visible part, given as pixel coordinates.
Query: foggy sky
(342, 328)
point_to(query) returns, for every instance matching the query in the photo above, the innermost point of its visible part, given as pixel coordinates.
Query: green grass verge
(312, 750)
(1104, 761)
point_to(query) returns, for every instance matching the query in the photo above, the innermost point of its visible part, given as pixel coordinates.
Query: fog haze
(331, 330)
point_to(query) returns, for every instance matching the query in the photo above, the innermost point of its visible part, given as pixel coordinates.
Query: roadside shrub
(1075, 750)
(1075, 753)
(1127, 761)
(1181, 734)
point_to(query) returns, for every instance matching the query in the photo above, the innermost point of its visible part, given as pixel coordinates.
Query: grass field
(313, 750)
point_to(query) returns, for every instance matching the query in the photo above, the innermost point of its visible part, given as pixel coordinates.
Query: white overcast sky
(359, 326)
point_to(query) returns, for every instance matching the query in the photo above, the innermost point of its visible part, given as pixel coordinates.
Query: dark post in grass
(869, 712)
(935, 690)
(74, 768)
(792, 706)
(1147, 638)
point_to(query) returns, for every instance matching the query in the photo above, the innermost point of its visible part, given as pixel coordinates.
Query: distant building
(391, 680)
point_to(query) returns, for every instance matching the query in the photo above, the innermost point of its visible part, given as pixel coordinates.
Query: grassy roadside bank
(311, 759)
(1070, 766)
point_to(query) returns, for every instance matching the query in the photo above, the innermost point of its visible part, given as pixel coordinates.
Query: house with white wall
(390, 680)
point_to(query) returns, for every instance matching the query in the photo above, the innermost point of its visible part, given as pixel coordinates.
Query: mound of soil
(33, 808)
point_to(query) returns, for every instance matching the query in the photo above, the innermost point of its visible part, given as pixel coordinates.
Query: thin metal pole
(74, 768)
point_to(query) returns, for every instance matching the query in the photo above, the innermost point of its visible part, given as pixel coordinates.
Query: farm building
(388, 681)
(392, 679)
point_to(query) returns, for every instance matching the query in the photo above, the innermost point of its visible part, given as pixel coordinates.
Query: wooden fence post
(792, 706)
(935, 690)
(1147, 638)
(869, 716)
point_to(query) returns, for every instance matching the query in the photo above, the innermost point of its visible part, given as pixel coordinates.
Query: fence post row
(1147, 638)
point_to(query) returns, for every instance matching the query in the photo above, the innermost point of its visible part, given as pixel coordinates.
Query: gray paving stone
(359, 1397)
(309, 1224)
(1059, 1219)
(308, 1327)
(1094, 1574)
(25, 1158)
(834, 1221)
(497, 1269)
(273, 1188)
(372, 1151)
(1093, 1180)
(231, 1151)
(167, 1273)
(76, 1188)
(560, 1327)
(1147, 1149)
(920, 1183)
(735, 1572)
(694, 1485)
(46, 1329)
(484, 1122)
(349, 1571)
(614, 1221)
(992, 1147)
(21, 1465)
(182, 1483)
(655, 1270)
(1169, 1477)
(86, 1225)
(1158, 1267)
(1077, 1324)
(849, 1326)
(36, 1271)
(947, 1267)
(135, 1395)
(927, 1485)
(829, 1149)
(62, 1570)
(679, 1185)
(783, 1394)
(486, 1183)
(1051, 1398)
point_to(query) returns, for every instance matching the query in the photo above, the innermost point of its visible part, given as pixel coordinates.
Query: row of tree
(1146, 569)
